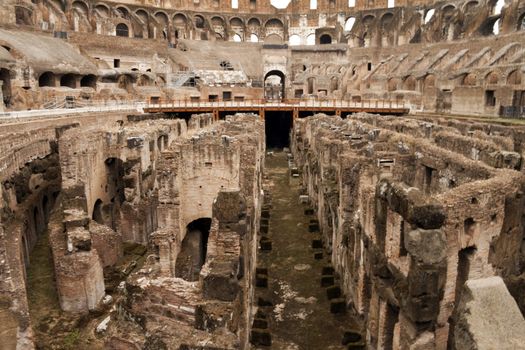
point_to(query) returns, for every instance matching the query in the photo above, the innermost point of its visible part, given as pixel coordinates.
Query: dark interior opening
(325, 39)
(46, 79)
(89, 81)
(5, 77)
(277, 127)
(192, 255)
(68, 80)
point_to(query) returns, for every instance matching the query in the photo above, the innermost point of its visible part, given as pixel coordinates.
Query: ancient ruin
(277, 174)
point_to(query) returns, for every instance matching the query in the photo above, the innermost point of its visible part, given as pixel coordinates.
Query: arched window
(349, 24)
(122, 30)
(498, 6)
(89, 81)
(325, 39)
(514, 78)
(237, 38)
(254, 38)
(294, 40)
(69, 80)
(46, 79)
(310, 39)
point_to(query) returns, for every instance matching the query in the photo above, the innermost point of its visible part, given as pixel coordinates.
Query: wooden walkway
(295, 106)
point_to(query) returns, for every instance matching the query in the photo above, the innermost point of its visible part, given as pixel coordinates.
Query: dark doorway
(274, 85)
(277, 127)
(193, 251)
(325, 39)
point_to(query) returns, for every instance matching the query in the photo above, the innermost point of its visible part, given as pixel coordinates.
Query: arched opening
(122, 30)
(497, 7)
(325, 39)
(349, 24)
(23, 16)
(144, 80)
(310, 88)
(521, 22)
(274, 85)
(514, 78)
(192, 255)
(469, 80)
(274, 27)
(448, 11)
(392, 84)
(237, 38)
(280, 4)
(470, 6)
(429, 15)
(495, 27)
(430, 81)
(5, 78)
(294, 40)
(47, 79)
(68, 80)
(254, 38)
(334, 84)
(97, 212)
(125, 82)
(409, 83)
(310, 39)
(492, 78)
(89, 81)
(199, 22)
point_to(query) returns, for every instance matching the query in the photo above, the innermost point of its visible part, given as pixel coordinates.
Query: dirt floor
(300, 317)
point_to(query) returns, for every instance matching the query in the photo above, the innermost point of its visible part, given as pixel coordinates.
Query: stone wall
(407, 220)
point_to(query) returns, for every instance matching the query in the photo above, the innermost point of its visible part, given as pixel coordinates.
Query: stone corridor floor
(300, 317)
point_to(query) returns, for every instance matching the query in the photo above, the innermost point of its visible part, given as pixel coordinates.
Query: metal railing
(254, 103)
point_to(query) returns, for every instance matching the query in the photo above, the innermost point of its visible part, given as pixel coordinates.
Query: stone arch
(254, 23)
(387, 19)
(470, 6)
(429, 82)
(180, 22)
(492, 78)
(349, 24)
(143, 15)
(368, 20)
(521, 22)
(144, 80)
(47, 79)
(69, 80)
(274, 28)
(122, 30)
(102, 10)
(89, 80)
(274, 90)
(393, 84)
(334, 83)
(199, 21)
(310, 39)
(514, 77)
(294, 40)
(123, 11)
(325, 39)
(23, 16)
(409, 83)
(192, 255)
(447, 10)
(310, 88)
(5, 78)
(469, 80)
(236, 22)
(81, 7)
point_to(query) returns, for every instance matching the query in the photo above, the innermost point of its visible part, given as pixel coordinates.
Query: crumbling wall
(408, 219)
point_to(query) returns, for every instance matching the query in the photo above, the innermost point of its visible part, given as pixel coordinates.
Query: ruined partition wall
(407, 223)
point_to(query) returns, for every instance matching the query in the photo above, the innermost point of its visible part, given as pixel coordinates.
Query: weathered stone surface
(488, 317)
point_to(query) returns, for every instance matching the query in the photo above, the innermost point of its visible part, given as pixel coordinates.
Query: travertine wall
(407, 221)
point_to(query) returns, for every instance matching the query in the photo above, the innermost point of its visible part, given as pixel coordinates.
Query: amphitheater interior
(262, 174)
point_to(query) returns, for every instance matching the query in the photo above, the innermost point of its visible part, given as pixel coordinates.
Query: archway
(325, 39)
(274, 85)
(5, 78)
(122, 30)
(46, 79)
(89, 81)
(68, 80)
(194, 247)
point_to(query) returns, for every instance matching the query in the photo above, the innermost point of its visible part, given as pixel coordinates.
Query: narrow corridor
(300, 316)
